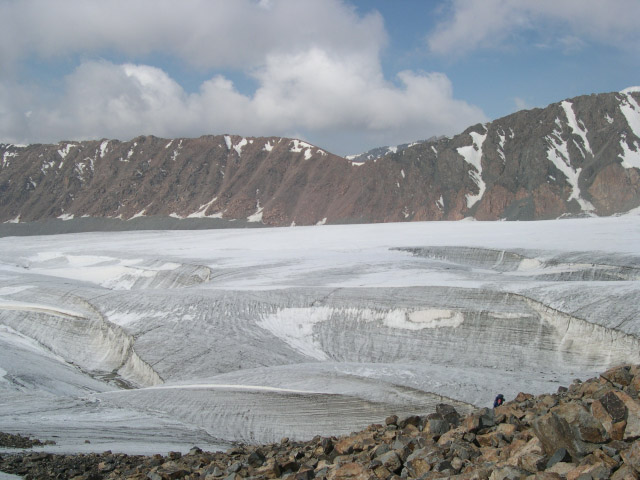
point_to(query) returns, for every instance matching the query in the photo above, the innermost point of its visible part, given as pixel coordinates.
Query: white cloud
(203, 33)
(314, 94)
(521, 104)
(316, 64)
(473, 24)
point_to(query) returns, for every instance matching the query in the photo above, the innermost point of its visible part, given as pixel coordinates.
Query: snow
(257, 216)
(473, 156)
(227, 141)
(402, 173)
(631, 90)
(501, 142)
(631, 111)
(256, 334)
(322, 222)
(238, 147)
(64, 151)
(141, 213)
(6, 156)
(440, 203)
(176, 152)
(200, 213)
(168, 144)
(576, 128)
(392, 149)
(630, 156)
(608, 118)
(307, 154)
(558, 154)
(267, 147)
(131, 151)
(66, 216)
(357, 164)
(104, 148)
(434, 150)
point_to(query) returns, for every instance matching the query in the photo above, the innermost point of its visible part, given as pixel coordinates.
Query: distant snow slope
(149, 341)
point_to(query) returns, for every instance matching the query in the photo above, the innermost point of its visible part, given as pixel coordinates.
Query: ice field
(145, 342)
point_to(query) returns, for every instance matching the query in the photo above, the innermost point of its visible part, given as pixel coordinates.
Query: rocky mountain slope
(590, 430)
(579, 156)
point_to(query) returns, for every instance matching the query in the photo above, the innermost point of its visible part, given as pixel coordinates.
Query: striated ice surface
(150, 341)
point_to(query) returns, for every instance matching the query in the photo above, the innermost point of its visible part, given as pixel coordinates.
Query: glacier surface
(145, 342)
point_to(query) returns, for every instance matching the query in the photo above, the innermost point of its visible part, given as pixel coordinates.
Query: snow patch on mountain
(238, 147)
(630, 156)
(631, 111)
(200, 213)
(104, 148)
(472, 154)
(576, 126)
(558, 154)
(64, 151)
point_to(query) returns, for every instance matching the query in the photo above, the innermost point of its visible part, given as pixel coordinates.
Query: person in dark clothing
(498, 401)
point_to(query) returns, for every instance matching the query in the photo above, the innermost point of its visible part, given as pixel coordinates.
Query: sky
(345, 75)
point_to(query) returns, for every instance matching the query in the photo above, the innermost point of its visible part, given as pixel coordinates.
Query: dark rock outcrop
(571, 158)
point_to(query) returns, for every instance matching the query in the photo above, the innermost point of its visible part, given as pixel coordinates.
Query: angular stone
(523, 397)
(256, 459)
(598, 471)
(625, 472)
(417, 466)
(409, 420)
(353, 443)
(614, 406)
(391, 461)
(451, 435)
(631, 456)
(617, 430)
(449, 413)
(436, 425)
(529, 456)
(589, 429)
(351, 471)
(507, 429)
(508, 473)
(618, 375)
(391, 420)
(555, 432)
(562, 468)
(560, 455)
(632, 430)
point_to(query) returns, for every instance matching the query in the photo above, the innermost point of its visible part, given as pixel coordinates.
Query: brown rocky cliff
(574, 157)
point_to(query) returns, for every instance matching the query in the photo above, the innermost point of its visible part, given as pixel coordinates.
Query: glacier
(145, 342)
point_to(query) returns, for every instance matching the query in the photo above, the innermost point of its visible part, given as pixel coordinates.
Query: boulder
(619, 376)
(555, 432)
(560, 455)
(587, 427)
(391, 461)
(632, 430)
(449, 413)
(351, 471)
(631, 456)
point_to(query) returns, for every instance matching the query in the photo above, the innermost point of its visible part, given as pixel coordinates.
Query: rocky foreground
(590, 430)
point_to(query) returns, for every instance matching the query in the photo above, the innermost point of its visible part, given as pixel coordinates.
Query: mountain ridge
(575, 157)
